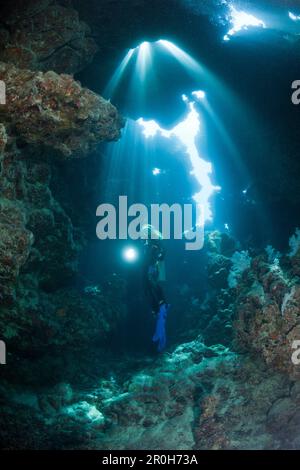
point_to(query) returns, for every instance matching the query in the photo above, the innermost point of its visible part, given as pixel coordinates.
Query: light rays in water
(187, 131)
(118, 74)
(182, 57)
(143, 59)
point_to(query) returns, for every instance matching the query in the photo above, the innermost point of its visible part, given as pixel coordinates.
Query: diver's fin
(160, 331)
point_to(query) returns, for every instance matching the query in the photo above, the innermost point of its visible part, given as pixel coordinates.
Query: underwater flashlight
(130, 254)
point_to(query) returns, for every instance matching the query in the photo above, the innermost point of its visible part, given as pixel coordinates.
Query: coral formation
(43, 35)
(48, 118)
(198, 397)
(240, 263)
(35, 229)
(260, 311)
(294, 243)
(268, 312)
(54, 110)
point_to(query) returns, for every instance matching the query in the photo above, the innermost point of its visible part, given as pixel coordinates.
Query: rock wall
(258, 313)
(268, 312)
(54, 110)
(48, 118)
(45, 36)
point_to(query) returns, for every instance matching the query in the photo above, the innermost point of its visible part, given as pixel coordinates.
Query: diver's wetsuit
(153, 253)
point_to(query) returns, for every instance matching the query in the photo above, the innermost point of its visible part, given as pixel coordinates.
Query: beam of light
(181, 56)
(294, 17)
(197, 70)
(226, 139)
(118, 74)
(143, 59)
(130, 254)
(241, 20)
(186, 132)
(143, 54)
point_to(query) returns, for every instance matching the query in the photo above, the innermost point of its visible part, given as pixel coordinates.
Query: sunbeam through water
(186, 132)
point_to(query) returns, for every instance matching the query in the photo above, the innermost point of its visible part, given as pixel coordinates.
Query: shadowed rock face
(39, 250)
(15, 244)
(43, 35)
(47, 118)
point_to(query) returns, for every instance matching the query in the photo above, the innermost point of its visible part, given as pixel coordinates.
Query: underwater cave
(149, 225)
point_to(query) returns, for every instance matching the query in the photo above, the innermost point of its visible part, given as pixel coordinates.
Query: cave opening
(165, 157)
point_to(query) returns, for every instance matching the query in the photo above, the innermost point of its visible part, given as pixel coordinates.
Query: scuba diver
(153, 275)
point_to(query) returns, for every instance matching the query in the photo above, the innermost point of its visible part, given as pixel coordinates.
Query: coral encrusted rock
(42, 35)
(3, 139)
(54, 110)
(268, 313)
(200, 397)
(15, 244)
(195, 397)
(48, 117)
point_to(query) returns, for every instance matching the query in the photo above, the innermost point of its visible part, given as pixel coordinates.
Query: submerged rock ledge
(54, 110)
(196, 397)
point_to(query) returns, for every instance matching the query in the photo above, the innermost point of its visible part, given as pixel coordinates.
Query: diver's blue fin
(160, 331)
